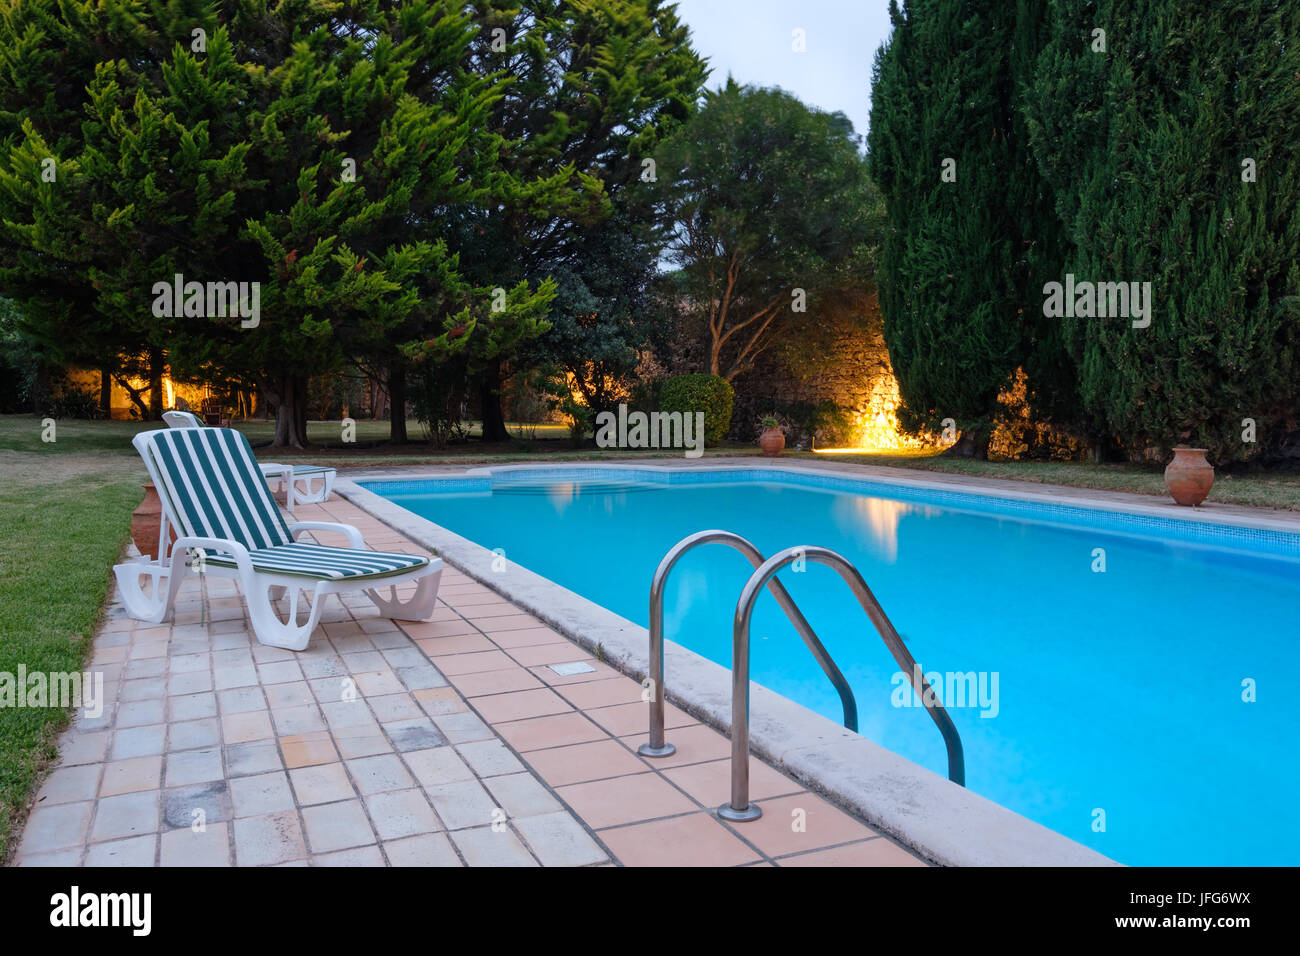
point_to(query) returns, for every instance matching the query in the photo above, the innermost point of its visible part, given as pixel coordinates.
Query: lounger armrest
(224, 545)
(354, 536)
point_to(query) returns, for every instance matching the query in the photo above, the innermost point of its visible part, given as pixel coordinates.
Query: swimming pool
(1113, 651)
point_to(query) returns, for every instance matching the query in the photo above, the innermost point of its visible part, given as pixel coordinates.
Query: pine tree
(1172, 156)
(314, 150)
(592, 86)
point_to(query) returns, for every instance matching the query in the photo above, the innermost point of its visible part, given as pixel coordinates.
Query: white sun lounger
(230, 526)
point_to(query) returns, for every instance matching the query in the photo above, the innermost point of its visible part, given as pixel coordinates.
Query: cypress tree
(969, 227)
(1172, 156)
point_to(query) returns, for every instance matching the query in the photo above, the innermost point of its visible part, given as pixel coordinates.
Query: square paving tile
(464, 803)
(694, 840)
(484, 846)
(242, 727)
(194, 734)
(84, 747)
(379, 774)
(261, 794)
(417, 734)
(129, 815)
(188, 847)
(69, 785)
(130, 776)
(284, 696)
(240, 700)
(557, 839)
(643, 796)
(269, 839)
(297, 720)
(323, 783)
(139, 713)
(305, 750)
(520, 795)
(578, 763)
(489, 758)
(200, 805)
(429, 849)
(437, 765)
(254, 757)
(192, 766)
(337, 826)
(401, 813)
(138, 742)
(57, 827)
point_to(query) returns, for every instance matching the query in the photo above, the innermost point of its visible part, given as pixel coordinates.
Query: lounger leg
(267, 626)
(167, 580)
(418, 607)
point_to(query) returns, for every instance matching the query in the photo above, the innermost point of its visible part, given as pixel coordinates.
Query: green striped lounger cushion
(316, 561)
(216, 490)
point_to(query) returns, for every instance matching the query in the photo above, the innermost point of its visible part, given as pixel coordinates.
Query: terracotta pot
(772, 441)
(1189, 476)
(145, 522)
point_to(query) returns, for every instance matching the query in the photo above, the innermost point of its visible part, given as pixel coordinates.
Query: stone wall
(834, 353)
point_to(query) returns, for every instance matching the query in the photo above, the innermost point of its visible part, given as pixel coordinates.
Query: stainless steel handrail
(740, 809)
(656, 747)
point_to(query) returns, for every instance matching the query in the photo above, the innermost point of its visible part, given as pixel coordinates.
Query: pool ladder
(740, 808)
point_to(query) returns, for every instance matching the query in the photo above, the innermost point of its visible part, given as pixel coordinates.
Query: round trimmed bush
(710, 394)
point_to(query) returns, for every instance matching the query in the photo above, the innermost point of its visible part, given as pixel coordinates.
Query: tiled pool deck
(444, 743)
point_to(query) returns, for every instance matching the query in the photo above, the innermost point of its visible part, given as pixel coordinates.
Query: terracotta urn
(1189, 477)
(772, 441)
(145, 522)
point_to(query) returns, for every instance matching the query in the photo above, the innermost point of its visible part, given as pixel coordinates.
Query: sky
(753, 41)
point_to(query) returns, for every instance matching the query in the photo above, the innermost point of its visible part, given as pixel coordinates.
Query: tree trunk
(397, 403)
(106, 392)
(494, 422)
(290, 402)
(156, 366)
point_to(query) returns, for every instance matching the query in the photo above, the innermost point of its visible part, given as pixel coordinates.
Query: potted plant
(1189, 477)
(146, 521)
(771, 436)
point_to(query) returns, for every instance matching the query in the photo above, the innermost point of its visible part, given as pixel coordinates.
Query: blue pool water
(1118, 691)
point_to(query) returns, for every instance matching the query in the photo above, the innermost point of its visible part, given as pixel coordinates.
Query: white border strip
(941, 821)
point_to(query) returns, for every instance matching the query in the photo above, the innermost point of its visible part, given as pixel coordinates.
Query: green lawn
(65, 509)
(64, 512)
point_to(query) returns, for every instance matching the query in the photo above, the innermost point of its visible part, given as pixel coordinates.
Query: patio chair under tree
(295, 480)
(230, 526)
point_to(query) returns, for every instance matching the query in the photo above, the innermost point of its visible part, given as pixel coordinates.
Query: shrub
(710, 394)
(70, 401)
